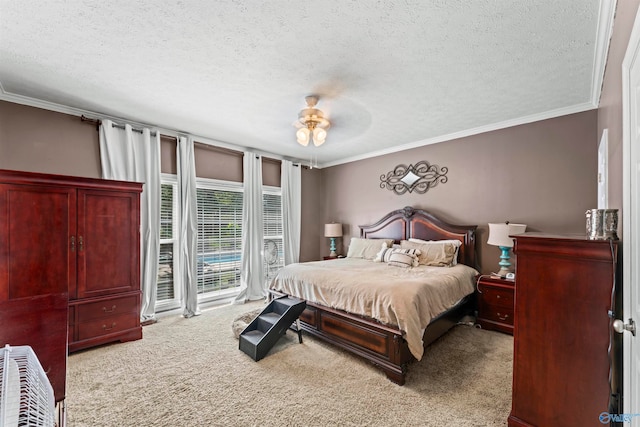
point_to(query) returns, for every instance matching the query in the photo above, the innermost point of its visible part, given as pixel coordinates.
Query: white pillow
(366, 248)
(436, 255)
(456, 243)
(399, 259)
(385, 253)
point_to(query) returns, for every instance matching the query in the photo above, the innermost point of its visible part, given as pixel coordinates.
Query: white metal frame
(177, 289)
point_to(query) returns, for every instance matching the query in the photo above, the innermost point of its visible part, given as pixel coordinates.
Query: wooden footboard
(379, 344)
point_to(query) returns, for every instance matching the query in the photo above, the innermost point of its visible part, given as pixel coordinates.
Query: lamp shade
(499, 233)
(303, 136)
(319, 136)
(333, 230)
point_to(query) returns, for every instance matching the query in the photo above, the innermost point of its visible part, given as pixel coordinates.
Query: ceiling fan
(311, 123)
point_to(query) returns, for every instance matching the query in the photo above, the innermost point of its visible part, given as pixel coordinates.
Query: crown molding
(59, 108)
(604, 32)
(46, 105)
(573, 109)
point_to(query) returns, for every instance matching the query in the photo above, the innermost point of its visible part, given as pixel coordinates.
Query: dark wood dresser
(562, 330)
(70, 250)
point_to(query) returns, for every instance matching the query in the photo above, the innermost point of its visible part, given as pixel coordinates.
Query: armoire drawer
(107, 325)
(107, 308)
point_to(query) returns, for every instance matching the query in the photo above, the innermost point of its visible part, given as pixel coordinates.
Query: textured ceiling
(389, 73)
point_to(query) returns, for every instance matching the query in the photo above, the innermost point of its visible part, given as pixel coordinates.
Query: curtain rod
(99, 122)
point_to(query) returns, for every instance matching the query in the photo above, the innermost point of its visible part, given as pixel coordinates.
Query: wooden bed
(382, 345)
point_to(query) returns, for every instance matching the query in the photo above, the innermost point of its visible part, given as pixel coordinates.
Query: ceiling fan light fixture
(319, 136)
(303, 136)
(312, 124)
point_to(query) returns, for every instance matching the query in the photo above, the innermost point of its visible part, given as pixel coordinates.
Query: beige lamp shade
(333, 230)
(499, 233)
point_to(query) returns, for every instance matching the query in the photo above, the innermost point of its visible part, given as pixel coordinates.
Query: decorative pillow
(456, 243)
(385, 254)
(366, 248)
(399, 259)
(433, 254)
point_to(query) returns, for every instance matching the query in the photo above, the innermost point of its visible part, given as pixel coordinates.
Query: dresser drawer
(502, 297)
(497, 314)
(107, 325)
(107, 308)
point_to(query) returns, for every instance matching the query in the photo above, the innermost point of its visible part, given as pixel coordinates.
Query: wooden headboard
(404, 223)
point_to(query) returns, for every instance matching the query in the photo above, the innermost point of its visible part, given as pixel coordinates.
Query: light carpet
(189, 372)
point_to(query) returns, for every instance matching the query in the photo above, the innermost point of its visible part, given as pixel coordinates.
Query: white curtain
(129, 155)
(187, 239)
(252, 283)
(291, 184)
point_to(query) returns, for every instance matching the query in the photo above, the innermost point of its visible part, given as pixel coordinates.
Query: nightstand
(496, 304)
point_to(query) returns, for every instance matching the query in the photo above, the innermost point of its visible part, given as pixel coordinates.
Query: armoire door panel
(41, 323)
(38, 224)
(107, 238)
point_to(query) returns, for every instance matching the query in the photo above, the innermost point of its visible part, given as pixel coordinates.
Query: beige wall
(218, 163)
(168, 155)
(542, 174)
(36, 140)
(212, 162)
(610, 107)
(312, 227)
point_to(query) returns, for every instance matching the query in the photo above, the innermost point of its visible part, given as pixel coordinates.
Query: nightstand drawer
(502, 297)
(498, 314)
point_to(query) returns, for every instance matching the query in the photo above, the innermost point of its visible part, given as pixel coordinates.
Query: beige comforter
(406, 298)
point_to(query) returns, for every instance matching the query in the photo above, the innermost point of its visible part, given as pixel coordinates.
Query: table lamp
(499, 236)
(332, 231)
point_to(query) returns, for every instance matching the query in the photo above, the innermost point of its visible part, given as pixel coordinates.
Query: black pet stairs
(272, 323)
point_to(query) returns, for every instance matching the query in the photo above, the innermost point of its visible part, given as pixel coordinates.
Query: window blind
(165, 284)
(273, 236)
(219, 238)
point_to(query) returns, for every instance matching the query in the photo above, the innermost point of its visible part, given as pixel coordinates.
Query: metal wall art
(419, 178)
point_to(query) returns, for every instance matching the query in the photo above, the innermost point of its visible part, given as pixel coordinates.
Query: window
(273, 236)
(219, 237)
(219, 240)
(168, 291)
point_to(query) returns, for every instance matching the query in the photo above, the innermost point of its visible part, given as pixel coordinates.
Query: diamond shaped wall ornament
(419, 178)
(409, 178)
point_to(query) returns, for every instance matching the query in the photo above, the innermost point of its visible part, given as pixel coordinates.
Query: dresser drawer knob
(113, 325)
(501, 317)
(113, 307)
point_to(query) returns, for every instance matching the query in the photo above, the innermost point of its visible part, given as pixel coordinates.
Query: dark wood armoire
(69, 265)
(562, 330)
